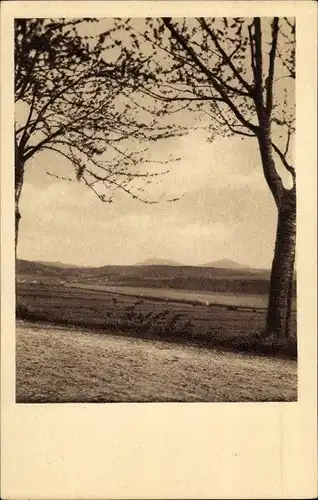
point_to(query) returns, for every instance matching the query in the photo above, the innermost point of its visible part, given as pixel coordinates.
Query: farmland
(154, 317)
(212, 298)
(83, 336)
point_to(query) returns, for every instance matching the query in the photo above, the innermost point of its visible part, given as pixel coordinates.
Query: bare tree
(240, 74)
(75, 81)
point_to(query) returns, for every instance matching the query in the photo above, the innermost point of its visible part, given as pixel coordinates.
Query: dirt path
(56, 364)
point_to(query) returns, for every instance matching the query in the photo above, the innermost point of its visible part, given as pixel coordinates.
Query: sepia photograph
(155, 209)
(158, 260)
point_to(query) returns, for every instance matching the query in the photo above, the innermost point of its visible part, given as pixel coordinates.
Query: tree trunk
(282, 273)
(17, 220)
(281, 281)
(19, 175)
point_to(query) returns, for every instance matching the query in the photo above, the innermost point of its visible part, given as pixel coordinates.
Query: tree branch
(173, 99)
(118, 186)
(184, 44)
(289, 134)
(270, 77)
(288, 167)
(31, 150)
(26, 134)
(230, 126)
(250, 35)
(26, 77)
(54, 98)
(291, 70)
(258, 62)
(226, 58)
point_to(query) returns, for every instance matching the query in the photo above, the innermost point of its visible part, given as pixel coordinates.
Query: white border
(230, 450)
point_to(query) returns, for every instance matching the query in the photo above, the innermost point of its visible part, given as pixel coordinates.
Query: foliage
(236, 73)
(74, 86)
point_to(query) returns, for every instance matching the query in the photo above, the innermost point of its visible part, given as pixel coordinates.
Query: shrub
(232, 308)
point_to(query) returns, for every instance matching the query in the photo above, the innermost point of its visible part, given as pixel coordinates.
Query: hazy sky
(226, 211)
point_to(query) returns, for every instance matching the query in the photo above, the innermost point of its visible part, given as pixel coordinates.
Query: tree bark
(17, 220)
(282, 274)
(19, 175)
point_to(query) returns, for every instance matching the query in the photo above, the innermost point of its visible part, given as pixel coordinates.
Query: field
(123, 333)
(156, 316)
(64, 364)
(196, 297)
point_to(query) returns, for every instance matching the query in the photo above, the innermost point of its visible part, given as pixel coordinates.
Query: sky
(225, 209)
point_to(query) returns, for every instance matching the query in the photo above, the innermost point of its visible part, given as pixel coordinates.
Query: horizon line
(144, 263)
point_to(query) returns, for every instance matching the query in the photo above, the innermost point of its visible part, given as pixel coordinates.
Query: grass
(228, 327)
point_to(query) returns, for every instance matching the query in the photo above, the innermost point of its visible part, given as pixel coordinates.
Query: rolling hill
(59, 264)
(206, 278)
(159, 262)
(226, 264)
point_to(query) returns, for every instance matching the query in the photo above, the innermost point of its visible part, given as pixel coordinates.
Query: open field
(63, 364)
(258, 301)
(174, 319)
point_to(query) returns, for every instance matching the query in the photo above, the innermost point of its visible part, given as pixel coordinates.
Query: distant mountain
(159, 262)
(226, 264)
(36, 268)
(57, 264)
(153, 273)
